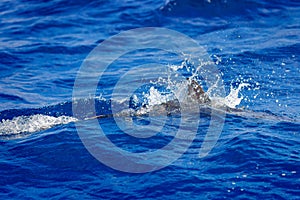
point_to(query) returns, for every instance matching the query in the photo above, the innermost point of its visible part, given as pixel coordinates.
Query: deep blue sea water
(43, 44)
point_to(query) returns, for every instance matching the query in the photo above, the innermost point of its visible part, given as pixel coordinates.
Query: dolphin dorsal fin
(196, 92)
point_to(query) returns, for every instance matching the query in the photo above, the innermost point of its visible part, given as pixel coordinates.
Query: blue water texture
(44, 43)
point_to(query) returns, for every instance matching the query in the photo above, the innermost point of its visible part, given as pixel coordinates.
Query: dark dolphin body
(195, 94)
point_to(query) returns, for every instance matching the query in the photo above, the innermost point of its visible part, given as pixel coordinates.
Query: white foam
(155, 97)
(233, 99)
(33, 123)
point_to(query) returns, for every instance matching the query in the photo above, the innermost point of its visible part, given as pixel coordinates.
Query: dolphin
(195, 93)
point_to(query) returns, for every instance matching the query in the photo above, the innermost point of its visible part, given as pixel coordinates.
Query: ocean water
(244, 145)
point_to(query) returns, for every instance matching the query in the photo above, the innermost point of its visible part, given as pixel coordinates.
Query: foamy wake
(33, 123)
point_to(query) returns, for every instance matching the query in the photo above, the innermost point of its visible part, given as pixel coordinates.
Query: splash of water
(31, 124)
(155, 97)
(234, 98)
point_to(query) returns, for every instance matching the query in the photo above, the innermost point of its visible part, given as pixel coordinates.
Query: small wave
(223, 8)
(33, 123)
(206, 8)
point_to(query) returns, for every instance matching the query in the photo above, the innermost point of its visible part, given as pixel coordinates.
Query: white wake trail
(31, 124)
